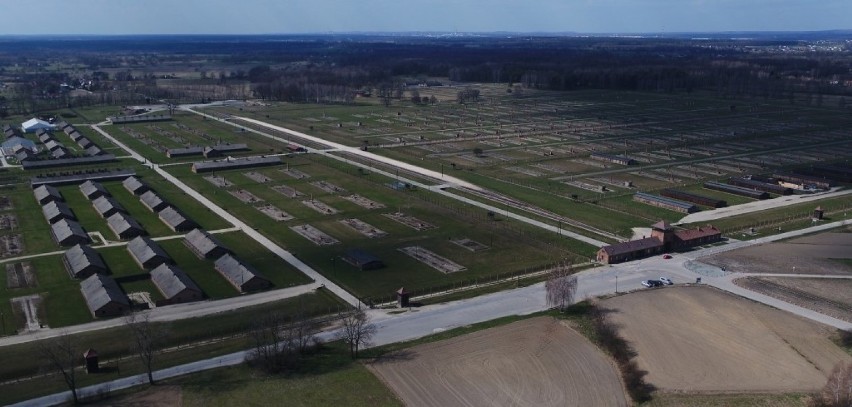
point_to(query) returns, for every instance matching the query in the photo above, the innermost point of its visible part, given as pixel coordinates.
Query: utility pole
(616, 283)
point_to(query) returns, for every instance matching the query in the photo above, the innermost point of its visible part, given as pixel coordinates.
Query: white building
(31, 125)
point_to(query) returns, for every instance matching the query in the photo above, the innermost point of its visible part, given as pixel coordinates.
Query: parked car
(646, 283)
(652, 283)
(666, 280)
(667, 256)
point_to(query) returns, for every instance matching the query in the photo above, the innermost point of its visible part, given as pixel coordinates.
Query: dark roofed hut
(104, 297)
(56, 210)
(147, 253)
(46, 193)
(135, 186)
(92, 190)
(152, 201)
(175, 285)
(107, 206)
(362, 259)
(81, 261)
(124, 226)
(242, 276)
(68, 233)
(175, 220)
(204, 245)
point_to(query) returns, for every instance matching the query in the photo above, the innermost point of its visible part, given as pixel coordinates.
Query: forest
(42, 73)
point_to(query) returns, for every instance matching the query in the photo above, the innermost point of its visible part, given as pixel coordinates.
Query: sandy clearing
(704, 340)
(535, 362)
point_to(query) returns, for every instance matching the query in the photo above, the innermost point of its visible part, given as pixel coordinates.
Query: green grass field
(513, 249)
(22, 361)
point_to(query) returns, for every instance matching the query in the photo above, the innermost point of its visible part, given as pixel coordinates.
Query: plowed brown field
(535, 362)
(698, 339)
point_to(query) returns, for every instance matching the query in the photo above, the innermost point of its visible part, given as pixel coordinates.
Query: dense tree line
(332, 69)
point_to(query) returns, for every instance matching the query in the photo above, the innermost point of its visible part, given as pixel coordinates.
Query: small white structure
(31, 125)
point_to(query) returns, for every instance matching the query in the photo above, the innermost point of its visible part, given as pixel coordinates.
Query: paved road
(756, 206)
(419, 322)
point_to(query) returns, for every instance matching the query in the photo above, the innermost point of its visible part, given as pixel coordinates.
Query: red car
(667, 256)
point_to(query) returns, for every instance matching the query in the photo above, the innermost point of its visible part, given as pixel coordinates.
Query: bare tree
(838, 390)
(356, 331)
(561, 286)
(62, 356)
(147, 340)
(278, 342)
(269, 342)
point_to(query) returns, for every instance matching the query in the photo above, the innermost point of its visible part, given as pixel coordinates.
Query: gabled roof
(34, 124)
(24, 155)
(121, 223)
(106, 206)
(632, 246)
(135, 185)
(55, 210)
(99, 290)
(94, 150)
(360, 257)
(92, 189)
(14, 141)
(697, 233)
(144, 250)
(82, 257)
(171, 280)
(65, 229)
(44, 191)
(174, 219)
(237, 272)
(202, 242)
(662, 225)
(59, 153)
(53, 145)
(153, 201)
(84, 142)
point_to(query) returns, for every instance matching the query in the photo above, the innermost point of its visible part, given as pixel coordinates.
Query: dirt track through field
(535, 362)
(703, 340)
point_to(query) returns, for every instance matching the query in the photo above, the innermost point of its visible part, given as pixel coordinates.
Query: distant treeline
(334, 68)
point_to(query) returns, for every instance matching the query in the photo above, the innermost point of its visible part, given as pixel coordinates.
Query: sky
(106, 17)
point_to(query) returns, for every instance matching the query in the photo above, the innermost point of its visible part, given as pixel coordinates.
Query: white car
(666, 280)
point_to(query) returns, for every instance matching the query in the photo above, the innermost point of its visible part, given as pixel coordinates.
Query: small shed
(818, 213)
(403, 298)
(362, 260)
(91, 358)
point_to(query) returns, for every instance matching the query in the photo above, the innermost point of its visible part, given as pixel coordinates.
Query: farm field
(811, 254)
(538, 361)
(697, 339)
(832, 297)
